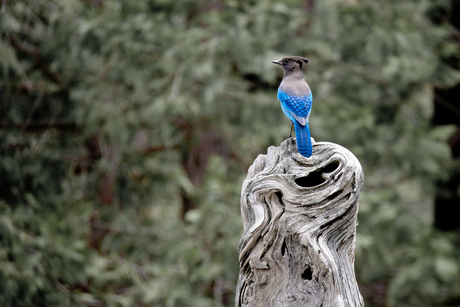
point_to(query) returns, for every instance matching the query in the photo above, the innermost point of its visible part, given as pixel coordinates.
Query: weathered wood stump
(300, 218)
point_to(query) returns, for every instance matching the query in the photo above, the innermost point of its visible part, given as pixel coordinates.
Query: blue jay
(296, 99)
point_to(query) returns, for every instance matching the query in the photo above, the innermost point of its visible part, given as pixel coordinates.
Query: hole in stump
(331, 167)
(316, 178)
(311, 180)
(283, 248)
(280, 196)
(307, 274)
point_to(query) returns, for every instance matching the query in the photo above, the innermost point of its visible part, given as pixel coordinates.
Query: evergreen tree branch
(34, 54)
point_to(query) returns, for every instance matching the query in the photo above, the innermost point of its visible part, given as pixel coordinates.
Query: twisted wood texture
(300, 218)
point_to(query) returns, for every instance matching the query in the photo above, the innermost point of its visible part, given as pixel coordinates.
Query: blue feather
(302, 134)
(297, 109)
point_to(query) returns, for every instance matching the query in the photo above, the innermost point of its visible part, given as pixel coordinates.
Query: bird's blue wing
(297, 107)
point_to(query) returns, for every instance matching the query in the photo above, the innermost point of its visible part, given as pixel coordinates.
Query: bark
(300, 218)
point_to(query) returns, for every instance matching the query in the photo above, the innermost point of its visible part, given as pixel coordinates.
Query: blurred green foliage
(127, 127)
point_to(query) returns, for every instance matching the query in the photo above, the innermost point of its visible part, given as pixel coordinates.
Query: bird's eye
(286, 60)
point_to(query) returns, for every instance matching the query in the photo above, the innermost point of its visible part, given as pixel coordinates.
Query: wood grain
(300, 218)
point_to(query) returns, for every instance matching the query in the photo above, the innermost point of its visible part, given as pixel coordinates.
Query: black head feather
(292, 62)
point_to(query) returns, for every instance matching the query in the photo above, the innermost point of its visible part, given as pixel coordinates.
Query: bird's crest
(292, 62)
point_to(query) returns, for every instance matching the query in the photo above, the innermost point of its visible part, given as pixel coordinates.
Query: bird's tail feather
(302, 134)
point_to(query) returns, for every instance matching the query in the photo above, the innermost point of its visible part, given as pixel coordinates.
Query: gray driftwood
(299, 217)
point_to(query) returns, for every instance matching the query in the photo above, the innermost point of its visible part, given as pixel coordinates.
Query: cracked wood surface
(300, 217)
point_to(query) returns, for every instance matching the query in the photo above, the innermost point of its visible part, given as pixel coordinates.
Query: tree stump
(300, 218)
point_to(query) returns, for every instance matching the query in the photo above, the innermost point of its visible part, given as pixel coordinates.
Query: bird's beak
(277, 62)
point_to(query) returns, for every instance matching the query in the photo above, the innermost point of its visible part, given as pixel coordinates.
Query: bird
(296, 99)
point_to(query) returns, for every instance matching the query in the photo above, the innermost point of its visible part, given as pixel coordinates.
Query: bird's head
(292, 62)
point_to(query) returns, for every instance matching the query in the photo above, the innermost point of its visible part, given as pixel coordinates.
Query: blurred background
(127, 128)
